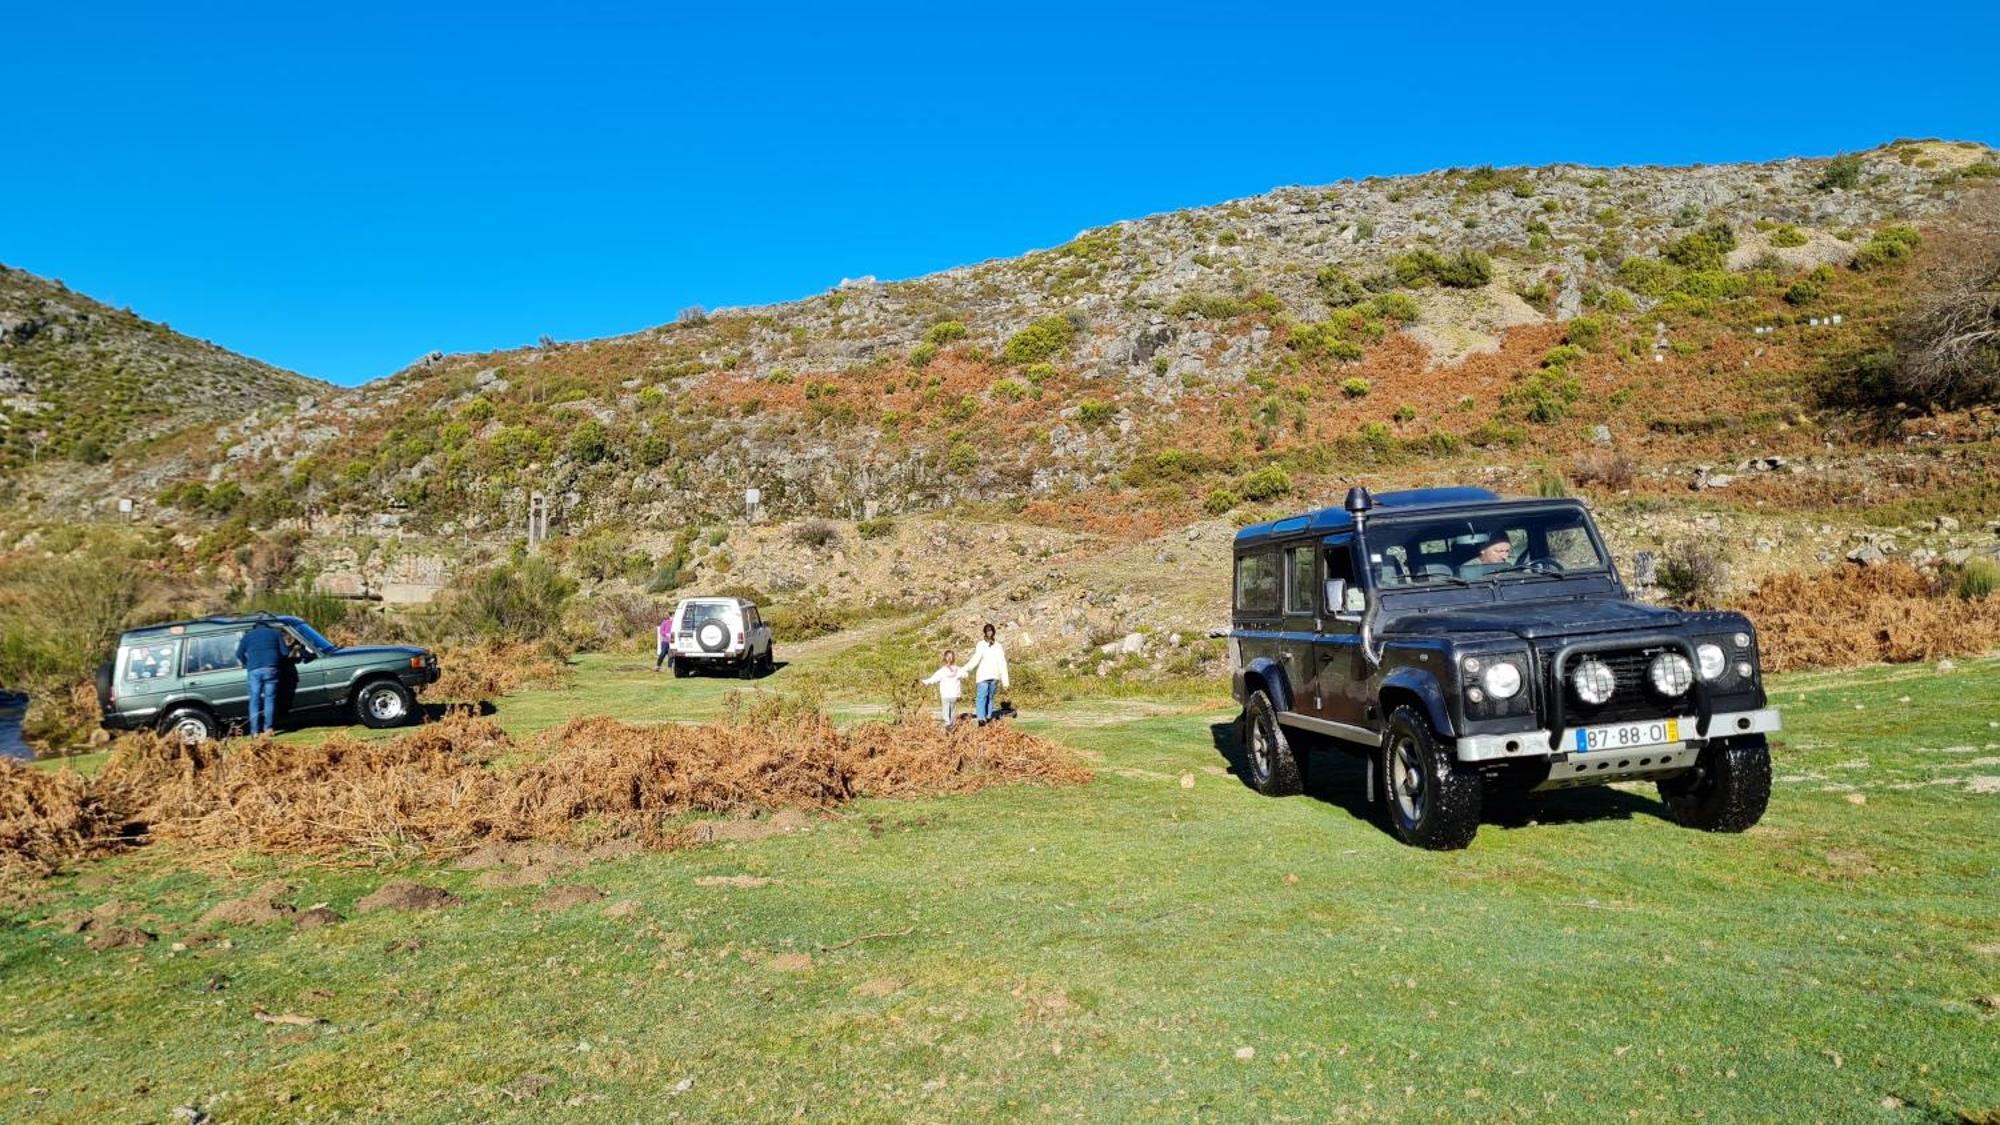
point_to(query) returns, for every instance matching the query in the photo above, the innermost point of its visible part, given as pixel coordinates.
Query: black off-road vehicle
(1482, 650)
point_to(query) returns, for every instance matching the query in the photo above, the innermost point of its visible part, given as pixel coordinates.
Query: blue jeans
(987, 690)
(263, 698)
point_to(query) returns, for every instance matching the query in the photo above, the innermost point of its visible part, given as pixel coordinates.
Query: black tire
(747, 668)
(1431, 801)
(1727, 790)
(770, 662)
(1267, 754)
(190, 725)
(680, 667)
(381, 704)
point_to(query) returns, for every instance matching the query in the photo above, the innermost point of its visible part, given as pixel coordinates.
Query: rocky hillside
(1644, 331)
(79, 379)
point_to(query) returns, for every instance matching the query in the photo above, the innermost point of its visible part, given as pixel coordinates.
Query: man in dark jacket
(262, 653)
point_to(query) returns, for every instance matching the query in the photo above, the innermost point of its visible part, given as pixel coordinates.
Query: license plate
(1625, 736)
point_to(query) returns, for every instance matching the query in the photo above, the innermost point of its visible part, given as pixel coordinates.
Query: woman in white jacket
(988, 669)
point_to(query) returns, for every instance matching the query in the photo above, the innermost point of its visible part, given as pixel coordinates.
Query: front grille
(1633, 698)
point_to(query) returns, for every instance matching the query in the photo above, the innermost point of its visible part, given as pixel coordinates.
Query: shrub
(1050, 336)
(1013, 390)
(478, 410)
(1811, 287)
(1706, 249)
(1977, 579)
(1649, 277)
(521, 601)
(1338, 289)
(1467, 269)
(1692, 576)
(1405, 413)
(944, 332)
(1219, 501)
(1038, 373)
(1890, 244)
(1268, 483)
(1091, 412)
(817, 535)
(1399, 307)
(1788, 236)
(1586, 332)
(922, 354)
(1355, 388)
(1842, 173)
(1602, 467)
(653, 450)
(588, 443)
(877, 528)
(962, 457)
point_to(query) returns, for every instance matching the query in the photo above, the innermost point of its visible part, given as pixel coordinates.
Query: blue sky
(338, 189)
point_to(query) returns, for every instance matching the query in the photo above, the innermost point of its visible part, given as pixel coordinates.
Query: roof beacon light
(1358, 500)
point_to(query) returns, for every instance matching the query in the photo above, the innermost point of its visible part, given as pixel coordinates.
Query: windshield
(1507, 545)
(311, 636)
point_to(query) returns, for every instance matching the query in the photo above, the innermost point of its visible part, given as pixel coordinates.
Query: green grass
(1105, 951)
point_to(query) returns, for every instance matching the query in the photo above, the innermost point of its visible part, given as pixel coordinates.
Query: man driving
(1495, 556)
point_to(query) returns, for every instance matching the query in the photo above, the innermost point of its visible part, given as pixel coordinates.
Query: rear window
(149, 662)
(1257, 585)
(700, 613)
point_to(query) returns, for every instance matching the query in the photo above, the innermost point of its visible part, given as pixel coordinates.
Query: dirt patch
(623, 908)
(784, 822)
(1458, 323)
(568, 897)
(790, 963)
(1860, 615)
(594, 788)
(879, 986)
(533, 875)
(119, 937)
(254, 909)
(731, 880)
(316, 917)
(401, 894)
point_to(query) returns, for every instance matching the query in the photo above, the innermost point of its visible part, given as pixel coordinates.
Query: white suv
(719, 633)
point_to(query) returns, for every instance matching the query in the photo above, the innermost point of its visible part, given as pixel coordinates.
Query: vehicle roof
(1332, 521)
(203, 625)
(739, 603)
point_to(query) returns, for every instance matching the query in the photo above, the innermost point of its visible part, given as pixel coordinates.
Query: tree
(1948, 339)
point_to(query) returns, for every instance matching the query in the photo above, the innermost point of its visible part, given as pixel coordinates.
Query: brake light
(416, 662)
(739, 638)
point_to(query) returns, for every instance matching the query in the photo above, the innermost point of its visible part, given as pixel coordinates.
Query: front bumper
(1531, 745)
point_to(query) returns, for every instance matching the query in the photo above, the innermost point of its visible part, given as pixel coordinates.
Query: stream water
(13, 709)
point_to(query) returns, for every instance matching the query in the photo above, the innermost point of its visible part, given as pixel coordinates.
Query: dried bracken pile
(469, 675)
(462, 782)
(1889, 614)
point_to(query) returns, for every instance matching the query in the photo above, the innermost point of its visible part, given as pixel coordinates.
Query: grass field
(1131, 948)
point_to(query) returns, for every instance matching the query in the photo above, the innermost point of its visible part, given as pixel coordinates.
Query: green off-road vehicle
(183, 680)
(1479, 651)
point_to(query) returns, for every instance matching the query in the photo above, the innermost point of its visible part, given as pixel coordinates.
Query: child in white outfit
(947, 679)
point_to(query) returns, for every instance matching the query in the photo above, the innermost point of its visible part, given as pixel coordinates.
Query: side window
(213, 653)
(1299, 579)
(149, 662)
(1257, 583)
(1343, 593)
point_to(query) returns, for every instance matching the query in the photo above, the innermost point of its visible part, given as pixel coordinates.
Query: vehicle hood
(1567, 617)
(365, 653)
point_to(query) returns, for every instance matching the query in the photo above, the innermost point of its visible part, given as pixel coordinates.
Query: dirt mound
(401, 894)
(254, 909)
(1861, 615)
(315, 917)
(593, 788)
(784, 822)
(119, 937)
(571, 895)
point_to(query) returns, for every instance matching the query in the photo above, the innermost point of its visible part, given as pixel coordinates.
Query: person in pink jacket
(666, 640)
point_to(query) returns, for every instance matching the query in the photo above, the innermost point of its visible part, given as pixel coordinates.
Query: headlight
(1743, 669)
(1671, 674)
(1594, 681)
(1502, 680)
(1741, 640)
(1713, 662)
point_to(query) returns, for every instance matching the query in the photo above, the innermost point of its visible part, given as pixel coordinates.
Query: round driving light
(1713, 662)
(1671, 674)
(1594, 681)
(1502, 680)
(1742, 640)
(1475, 695)
(1743, 669)
(1472, 664)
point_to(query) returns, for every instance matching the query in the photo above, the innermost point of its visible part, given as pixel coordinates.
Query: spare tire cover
(713, 636)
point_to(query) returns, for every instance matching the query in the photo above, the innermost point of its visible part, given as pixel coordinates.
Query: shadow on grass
(1336, 774)
(432, 712)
